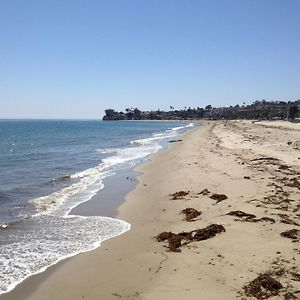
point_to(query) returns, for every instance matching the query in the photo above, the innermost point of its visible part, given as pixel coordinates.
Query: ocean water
(47, 168)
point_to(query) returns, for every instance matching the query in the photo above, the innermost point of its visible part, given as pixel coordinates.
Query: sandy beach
(242, 176)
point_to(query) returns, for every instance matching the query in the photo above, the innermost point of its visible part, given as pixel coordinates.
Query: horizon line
(51, 119)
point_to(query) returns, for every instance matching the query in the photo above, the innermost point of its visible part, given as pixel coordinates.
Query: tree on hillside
(293, 111)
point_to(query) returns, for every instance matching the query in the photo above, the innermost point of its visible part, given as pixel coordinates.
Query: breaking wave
(32, 244)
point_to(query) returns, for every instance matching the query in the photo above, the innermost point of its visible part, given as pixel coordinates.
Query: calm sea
(49, 167)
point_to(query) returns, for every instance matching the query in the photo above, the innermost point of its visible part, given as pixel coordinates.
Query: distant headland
(262, 110)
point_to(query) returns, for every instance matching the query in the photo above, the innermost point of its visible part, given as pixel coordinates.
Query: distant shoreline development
(263, 110)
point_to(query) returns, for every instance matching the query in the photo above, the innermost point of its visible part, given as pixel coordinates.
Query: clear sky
(73, 59)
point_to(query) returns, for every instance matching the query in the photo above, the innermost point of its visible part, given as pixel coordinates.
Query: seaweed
(218, 197)
(291, 234)
(175, 239)
(179, 195)
(190, 213)
(263, 287)
(208, 232)
(204, 192)
(241, 214)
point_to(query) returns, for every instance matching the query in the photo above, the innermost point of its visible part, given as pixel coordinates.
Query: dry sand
(256, 165)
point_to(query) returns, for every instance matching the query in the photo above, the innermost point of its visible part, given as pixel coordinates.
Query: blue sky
(73, 59)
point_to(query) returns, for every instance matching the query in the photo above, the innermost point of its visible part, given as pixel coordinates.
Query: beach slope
(241, 176)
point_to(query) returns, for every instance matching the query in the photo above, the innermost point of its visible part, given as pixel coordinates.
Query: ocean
(48, 168)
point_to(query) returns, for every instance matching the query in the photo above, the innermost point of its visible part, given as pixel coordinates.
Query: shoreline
(27, 286)
(211, 268)
(127, 179)
(107, 200)
(40, 258)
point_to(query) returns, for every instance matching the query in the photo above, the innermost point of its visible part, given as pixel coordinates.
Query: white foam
(58, 238)
(155, 138)
(106, 150)
(190, 125)
(158, 134)
(131, 153)
(169, 133)
(89, 181)
(151, 140)
(177, 128)
(52, 204)
(58, 234)
(182, 127)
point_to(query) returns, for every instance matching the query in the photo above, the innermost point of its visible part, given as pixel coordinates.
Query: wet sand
(107, 200)
(256, 166)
